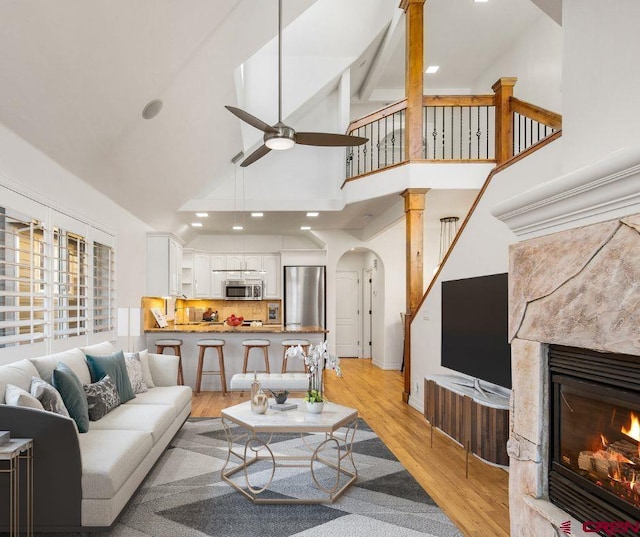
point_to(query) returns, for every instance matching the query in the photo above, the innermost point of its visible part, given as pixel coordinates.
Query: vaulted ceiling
(78, 73)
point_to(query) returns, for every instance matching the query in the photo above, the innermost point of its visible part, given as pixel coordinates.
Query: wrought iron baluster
(443, 134)
(486, 108)
(478, 134)
(469, 133)
(393, 138)
(401, 129)
(386, 133)
(460, 111)
(378, 143)
(434, 134)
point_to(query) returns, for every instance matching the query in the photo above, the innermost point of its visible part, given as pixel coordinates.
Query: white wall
(32, 172)
(536, 59)
(600, 79)
(481, 250)
(439, 204)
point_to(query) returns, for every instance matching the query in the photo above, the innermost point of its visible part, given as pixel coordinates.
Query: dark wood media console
(479, 424)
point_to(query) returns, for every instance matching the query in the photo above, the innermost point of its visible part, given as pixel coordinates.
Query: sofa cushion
(154, 419)
(134, 370)
(177, 396)
(146, 370)
(114, 366)
(99, 349)
(109, 458)
(17, 373)
(18, 397)
(72, 392)
(74, 359)
(102, 398)
(49, 397)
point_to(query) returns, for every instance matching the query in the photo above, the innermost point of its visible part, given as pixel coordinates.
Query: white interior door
(348, 313)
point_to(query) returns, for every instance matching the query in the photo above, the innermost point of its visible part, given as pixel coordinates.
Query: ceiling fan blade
(257, 154)
(250, 119)
(327, 139)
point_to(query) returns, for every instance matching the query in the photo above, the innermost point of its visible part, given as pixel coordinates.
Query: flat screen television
(474, 328)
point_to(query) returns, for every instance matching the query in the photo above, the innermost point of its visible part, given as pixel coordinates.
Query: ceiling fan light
(279, 144)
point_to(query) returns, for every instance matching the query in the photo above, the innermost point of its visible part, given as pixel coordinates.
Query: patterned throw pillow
(49, 397)
(134, 370)
(102, 397)
(15, 396)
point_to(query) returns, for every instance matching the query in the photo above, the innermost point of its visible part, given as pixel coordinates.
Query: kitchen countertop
(222, 328)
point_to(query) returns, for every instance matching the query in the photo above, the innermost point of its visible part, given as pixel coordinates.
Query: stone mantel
(604, 190)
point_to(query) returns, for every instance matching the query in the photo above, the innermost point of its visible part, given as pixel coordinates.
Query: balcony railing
(458, 129)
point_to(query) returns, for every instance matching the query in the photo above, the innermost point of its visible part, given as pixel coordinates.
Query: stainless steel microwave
(243, 290)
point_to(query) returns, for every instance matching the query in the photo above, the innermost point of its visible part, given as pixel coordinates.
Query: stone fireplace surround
(573, 280)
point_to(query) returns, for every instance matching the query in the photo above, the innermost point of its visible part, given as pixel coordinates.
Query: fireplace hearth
(594, 470)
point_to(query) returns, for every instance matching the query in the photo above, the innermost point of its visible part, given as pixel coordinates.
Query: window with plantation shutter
(23, 282)
(70, 284)
(104, 303)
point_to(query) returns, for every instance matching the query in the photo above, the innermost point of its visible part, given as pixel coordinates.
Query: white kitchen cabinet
(187, 273)
(164, 265)
(201, 275)
(272, 276)
(218, 262)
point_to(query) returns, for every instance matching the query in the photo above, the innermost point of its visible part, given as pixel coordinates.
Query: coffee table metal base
(246, 446)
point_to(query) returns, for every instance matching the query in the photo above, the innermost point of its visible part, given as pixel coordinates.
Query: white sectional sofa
(82, 481)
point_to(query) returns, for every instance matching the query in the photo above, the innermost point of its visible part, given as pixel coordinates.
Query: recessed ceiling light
(202, 215)
(305, 228)
(478, 1)
(257, 215)
(432, 69)
(313, 213)
(238, 228)
(196, 224)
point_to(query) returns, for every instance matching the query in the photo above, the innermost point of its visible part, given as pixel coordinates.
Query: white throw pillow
(146, 369)
(49, 397)
(134, 370)
(15, 396)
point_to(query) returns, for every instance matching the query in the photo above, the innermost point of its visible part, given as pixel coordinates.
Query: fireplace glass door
(595, 435)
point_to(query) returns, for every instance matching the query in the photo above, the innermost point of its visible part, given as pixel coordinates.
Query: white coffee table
(334, 427)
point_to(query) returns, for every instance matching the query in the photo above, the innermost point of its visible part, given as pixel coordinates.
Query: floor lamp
(129, 324)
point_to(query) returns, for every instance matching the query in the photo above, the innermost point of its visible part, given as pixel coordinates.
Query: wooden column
(414, 77)
(414, 203)
(503, 90)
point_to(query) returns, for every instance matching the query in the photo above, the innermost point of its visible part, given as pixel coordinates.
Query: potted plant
(317, 359)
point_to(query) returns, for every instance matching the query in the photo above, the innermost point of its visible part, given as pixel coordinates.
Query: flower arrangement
(316, 359)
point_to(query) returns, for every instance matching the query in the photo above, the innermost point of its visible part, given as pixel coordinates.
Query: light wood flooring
(478, 504)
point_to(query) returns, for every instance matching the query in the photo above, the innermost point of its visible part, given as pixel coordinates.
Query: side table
(10, 455)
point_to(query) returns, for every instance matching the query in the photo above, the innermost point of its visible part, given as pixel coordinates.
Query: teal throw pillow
(114, 366)
(72, 392)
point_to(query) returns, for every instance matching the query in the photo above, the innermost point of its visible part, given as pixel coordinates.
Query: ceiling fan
(281, 136)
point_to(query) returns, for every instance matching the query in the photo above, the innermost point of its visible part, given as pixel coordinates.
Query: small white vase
(315, 408)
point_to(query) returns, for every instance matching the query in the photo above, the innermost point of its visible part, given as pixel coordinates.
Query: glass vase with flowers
(316, 360)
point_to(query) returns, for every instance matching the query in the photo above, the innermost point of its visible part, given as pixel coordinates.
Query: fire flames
(634, 430)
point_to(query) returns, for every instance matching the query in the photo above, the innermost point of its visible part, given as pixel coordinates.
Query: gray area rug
(185, 496)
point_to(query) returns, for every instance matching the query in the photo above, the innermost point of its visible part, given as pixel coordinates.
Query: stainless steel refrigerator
(304, 296)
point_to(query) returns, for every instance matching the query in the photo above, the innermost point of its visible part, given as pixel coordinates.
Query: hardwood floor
(477, 504)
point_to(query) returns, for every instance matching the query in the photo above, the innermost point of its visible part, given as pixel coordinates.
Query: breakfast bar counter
(208, 328)
(233, 337)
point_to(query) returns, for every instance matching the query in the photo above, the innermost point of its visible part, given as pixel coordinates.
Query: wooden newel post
(503, 90)
(414, 204)
(414, 77)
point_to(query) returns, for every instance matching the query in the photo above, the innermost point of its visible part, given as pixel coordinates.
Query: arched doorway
(359, 289)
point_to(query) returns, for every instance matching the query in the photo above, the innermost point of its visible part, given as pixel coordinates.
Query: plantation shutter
(104, 300)
(23, 285)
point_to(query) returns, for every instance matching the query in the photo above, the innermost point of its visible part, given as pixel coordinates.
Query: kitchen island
(233, 348)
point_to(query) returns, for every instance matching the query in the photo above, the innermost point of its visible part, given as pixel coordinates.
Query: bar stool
(205, 344)
(256, 343)
(175, 344)
(287, 343)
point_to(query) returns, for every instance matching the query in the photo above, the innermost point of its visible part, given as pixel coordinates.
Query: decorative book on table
(283, 406)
